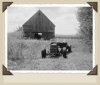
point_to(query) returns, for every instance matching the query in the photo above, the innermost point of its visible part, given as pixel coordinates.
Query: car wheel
(43, 53)
(64, 56)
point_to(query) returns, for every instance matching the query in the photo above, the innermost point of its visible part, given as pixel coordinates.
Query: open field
(26, 55)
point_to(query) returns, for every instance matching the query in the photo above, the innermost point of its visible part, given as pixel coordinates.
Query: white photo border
(50, 71)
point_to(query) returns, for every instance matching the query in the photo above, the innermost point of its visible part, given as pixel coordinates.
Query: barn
(39, 26)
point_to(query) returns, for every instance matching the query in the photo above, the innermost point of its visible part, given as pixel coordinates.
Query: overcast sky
(64, 18)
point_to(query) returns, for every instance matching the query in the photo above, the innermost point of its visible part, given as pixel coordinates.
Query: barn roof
(39, 23)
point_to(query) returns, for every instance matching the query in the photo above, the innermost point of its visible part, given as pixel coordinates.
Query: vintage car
(57, 49)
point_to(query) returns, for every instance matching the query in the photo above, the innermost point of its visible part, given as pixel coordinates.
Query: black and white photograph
(49, 37)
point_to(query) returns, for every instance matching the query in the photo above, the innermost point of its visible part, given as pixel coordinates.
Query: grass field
(26, 55)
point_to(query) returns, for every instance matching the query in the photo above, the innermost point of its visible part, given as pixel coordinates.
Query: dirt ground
(29, 56)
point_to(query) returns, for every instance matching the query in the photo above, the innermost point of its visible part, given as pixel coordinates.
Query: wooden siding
(45, 35)
(39, 23)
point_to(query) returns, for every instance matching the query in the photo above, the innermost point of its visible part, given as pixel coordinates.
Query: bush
(84, 16)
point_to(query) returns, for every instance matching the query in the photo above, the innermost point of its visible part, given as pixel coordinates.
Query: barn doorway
(38, 36)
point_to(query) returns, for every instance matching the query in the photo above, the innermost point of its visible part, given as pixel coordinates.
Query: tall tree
(85, 19)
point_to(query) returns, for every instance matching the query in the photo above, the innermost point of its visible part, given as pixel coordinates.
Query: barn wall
(45, 35)
(48, 35)
(39, 23)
